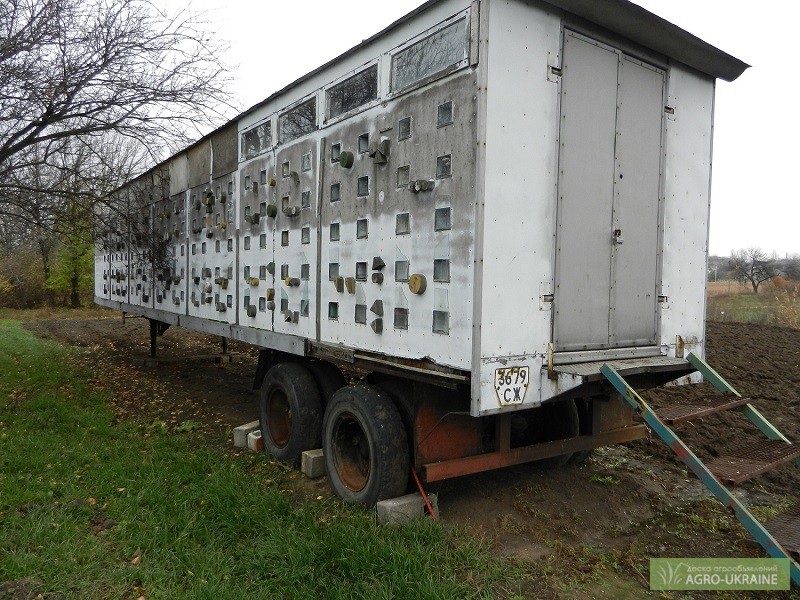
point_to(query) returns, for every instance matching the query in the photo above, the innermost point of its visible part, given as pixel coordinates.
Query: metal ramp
(780, 536)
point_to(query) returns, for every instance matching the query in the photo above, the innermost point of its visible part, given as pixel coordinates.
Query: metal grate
(681, 413)
(746, 463)
(785, 528)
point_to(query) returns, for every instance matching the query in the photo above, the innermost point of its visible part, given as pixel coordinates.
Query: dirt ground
(582, 530)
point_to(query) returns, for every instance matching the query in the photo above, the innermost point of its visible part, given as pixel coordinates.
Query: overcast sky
(756, 162)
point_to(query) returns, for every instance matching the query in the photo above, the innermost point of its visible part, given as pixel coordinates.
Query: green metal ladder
(780, 536)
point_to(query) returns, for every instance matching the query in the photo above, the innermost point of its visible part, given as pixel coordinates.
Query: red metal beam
(494, 460)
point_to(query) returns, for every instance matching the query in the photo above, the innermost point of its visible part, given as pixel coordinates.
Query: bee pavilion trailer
(480, 207)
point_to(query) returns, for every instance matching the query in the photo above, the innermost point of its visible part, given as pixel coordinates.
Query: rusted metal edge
(494, 460)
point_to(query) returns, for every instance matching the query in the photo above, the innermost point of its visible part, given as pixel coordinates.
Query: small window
(255, 141)
(363, 143)
(402, 224)
(443, 164)
(336, 150)
(284, 304)
(403, 176)
(362, 228)
(441, 219)
(262, 241)
(358, 90)
(404, 128)
(183, 250)
(401, 318)
(363, 185)
(247, 242)
(262, 209)
(333, 271)
(285, 203)
(217, 246)
(284, 271)
(306, 161)
(247, 182)
(361, 271)
(436, 54)
(285, 237)
(230, 188)
(230, 272)
(230, 244)
(247, 271)
(305, 271)
(203, 248)
(246, 211)
(262, 304)
(305, 235)
(229, 301)
(333, 310)
(334, 232)
(444, 115)
(335, 190)
(441, 322)
(304, 308)
(300, 120)
(361, 313)
(262, 272)
(305, 199)
(285, 169)
(401, 270)
(441, 270)
(263, 177)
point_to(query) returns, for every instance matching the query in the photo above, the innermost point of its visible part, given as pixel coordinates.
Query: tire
(366, 450)
(561, 421)
(328, 377)
(585, 419)
(290, 412)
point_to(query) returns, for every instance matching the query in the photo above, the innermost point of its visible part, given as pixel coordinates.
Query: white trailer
(479, 206)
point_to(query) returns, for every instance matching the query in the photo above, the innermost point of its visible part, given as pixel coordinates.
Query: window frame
(464, 62)
(328, 120)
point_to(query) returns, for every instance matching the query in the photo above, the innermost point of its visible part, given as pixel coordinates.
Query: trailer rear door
(607, 239)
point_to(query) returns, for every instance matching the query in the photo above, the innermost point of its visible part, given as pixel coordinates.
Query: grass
(771, 306)
(94, 508)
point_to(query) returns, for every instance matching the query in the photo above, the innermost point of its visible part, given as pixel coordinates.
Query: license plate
(511, 384)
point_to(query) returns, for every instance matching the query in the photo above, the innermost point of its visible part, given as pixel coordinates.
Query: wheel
(290, 412)
(557, 421)
(366, 451)
(328, 377)
(585, 418)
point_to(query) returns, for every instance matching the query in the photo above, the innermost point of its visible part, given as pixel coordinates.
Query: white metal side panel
(256, 242)
(686, 208)
(519, 196)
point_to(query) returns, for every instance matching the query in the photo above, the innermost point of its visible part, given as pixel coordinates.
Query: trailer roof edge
(643, 27)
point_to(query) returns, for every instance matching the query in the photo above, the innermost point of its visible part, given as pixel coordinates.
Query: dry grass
(726, 288)
(49, 312)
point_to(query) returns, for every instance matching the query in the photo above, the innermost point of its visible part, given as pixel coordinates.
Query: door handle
(618, 236)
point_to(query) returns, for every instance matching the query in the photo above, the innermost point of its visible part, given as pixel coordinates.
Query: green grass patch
(91, 508)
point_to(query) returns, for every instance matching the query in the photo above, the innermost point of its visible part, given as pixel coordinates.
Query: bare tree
(752, 265)
(72, 71)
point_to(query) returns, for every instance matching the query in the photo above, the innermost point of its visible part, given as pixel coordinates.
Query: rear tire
(290, 412)
(366, 449)
(328, 377)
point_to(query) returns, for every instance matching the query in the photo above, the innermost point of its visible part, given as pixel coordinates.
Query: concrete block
(240, 433)
(397, 511)
(254, 441)
(312, 463)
